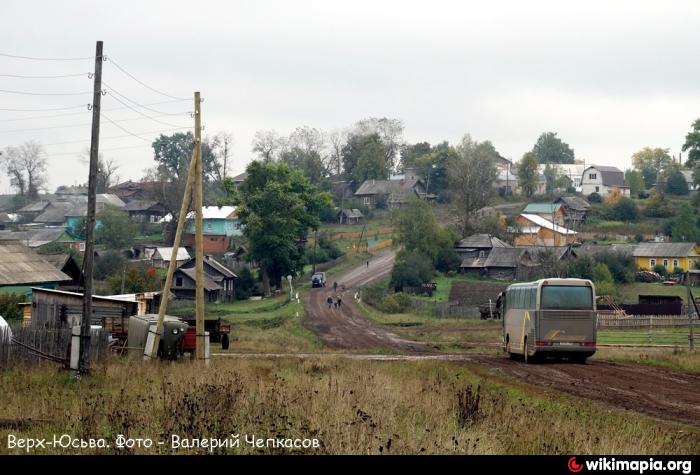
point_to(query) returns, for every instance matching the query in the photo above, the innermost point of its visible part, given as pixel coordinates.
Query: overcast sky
(610, 77)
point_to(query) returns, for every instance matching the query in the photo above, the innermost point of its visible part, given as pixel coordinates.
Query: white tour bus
(550, 317)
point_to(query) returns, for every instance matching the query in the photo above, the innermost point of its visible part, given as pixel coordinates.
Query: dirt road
(346, 327)
(660, 393)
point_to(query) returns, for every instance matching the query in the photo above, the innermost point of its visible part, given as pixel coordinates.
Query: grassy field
(679, 359)
(657, 336)
(350, 407)
(267, 325)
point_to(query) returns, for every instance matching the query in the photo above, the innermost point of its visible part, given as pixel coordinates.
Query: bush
(624, 210)
(109, 264)
(403, 300)
(245, 284)
(390, 305)
(447, 260)
(138, 278)
(660, 269)
(676, 183)
(658, 207)
(9, 306)
(411, 271)
(595, 198)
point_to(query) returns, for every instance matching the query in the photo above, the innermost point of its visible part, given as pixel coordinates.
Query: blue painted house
(221, 221)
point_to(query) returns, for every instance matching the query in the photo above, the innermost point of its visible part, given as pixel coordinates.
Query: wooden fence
(644, 321)
(380, 245)
(31, 345)
(444, 310)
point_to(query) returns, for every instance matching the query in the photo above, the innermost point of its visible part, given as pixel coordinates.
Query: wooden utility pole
(90, 224)
(165, 296)
(199, 240)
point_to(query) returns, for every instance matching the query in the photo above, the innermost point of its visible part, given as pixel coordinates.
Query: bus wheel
(527, 358)
(578, 359)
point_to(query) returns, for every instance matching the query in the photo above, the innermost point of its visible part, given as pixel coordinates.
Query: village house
(219, 281)
(21, 269)
(573, 172)
(478, 246)
(69, 266)
(142, 190)
(36, 238)
(393, 193)
(350, 216)
(688, 175)
(575, 208)
(672, 255)
(238, 180)
(534, 230)
(603, 180)
(219, 226)
(503, 263)
(145, 211)
(553, 212)
(506, 183)
(160, 256)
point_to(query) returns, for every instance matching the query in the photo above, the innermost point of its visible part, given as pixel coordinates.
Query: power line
(81, 106)
(137, 111)
(51, 116)
(19, 76)
(101, 150)
(114, 137)
(144, 106)
(27, 93)
(123, 129)
(43, 59)
(141, 82)
(87, 123)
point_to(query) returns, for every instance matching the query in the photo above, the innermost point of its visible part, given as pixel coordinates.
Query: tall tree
(550, 176)
(652, 163)
(268, 145)
(676, 183)
(277, 207)
(634, 180)
(692, 145)
(527, 173)
(308, 162)
(471, 176)
(336, 141)
(551, 149)
(390, 131)
(434, 167)
(685, 225)
(222, 143)
(365, 158)
(172, 154)
(410, 153)
(26, 166)
(419, 231)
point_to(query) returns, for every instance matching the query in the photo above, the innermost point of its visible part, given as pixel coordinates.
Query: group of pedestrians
(337, 301)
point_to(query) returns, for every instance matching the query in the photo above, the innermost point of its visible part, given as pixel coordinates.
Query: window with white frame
(592, 176)
(675, 263)
(652, 263)
(666, 263)
(366, 201)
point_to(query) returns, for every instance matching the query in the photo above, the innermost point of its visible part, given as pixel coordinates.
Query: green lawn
(643, 336)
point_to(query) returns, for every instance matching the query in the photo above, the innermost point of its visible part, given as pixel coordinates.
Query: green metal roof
(535, 208)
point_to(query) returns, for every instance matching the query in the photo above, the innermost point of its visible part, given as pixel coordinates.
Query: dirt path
(346, 327)
(660, 393)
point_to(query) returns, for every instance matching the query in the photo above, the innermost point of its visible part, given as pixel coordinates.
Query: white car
(5, 331)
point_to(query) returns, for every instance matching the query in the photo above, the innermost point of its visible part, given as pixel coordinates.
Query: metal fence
(647, 330)
(21, 344)
(643, 321)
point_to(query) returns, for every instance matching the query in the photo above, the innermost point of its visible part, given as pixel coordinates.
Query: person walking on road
(340, 301)
(335, 286)
(368, 264)
(329, 300)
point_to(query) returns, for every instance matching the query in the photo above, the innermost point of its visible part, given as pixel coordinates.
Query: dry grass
(351, 407)
(679, 359)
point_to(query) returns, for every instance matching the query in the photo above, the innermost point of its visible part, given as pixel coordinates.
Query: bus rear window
(563, 297)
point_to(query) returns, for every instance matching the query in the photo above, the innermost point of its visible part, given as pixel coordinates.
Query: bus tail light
(589, 344)
(543, 343)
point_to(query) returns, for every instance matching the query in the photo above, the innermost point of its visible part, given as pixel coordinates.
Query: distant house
(350, 216)
(35, 238)
(534, 230)
(506, 183)
(593, 250)
(21, 268)
(576, 209)
(392, 193)
(671, 255)
(603, 180)
(503, 164)
(66, 264)
(145, 211)
(160, 256)
(219, 226)
(572, 171)
(219, 281)
(238, 180)
(551, 211)
(142, 190)
(7, 220)
(505, 263)
(478, 246)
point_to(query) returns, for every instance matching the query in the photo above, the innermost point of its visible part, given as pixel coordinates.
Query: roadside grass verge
(350, 407)
(629, 293)
(678, 359)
